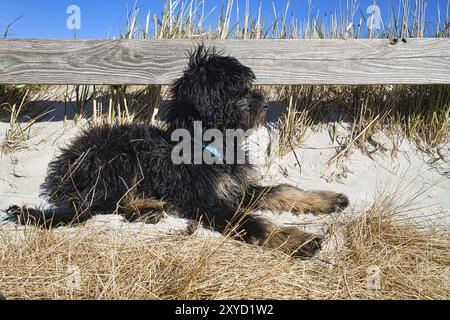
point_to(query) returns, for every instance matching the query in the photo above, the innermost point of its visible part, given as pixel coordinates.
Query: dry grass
(14, 107)
(413, 263)
(419, 113)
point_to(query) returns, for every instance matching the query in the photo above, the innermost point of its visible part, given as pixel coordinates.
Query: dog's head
(215, 89)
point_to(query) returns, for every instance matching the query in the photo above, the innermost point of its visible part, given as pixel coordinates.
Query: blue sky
(47, 18)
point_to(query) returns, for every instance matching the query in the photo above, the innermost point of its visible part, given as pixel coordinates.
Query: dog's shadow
(57, 110)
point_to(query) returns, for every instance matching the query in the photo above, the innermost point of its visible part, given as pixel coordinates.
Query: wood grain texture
(362, 61)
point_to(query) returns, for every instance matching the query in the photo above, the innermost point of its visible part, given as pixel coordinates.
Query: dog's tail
(47, 218)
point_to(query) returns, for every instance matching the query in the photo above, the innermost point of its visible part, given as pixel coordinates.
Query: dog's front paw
(341, 202)
(328, 202)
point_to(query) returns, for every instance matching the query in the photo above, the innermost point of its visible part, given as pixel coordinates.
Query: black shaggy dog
(128, 169)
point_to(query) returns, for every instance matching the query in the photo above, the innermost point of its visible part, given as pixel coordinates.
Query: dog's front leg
(284, 197)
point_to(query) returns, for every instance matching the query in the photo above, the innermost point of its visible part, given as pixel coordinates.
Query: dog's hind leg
(291, 240)
(49, 218)
(284, 197)
(261, 231)
(146, 210)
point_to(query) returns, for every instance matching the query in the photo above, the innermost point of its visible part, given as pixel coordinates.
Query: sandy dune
(408, 175)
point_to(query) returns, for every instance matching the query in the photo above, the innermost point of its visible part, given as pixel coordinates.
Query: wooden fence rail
(362, 61)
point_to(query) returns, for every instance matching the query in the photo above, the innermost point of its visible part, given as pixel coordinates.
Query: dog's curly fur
(128, 169)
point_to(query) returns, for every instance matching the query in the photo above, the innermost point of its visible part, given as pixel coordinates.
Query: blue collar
(214, 151)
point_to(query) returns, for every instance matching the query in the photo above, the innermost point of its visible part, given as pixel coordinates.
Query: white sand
(409, 175)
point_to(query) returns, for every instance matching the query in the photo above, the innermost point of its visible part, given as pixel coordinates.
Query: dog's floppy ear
(211, 80)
